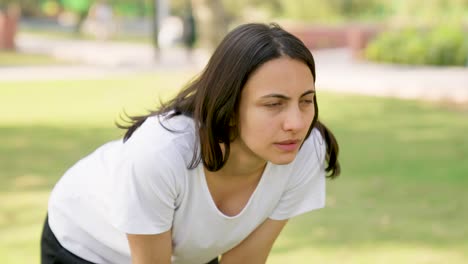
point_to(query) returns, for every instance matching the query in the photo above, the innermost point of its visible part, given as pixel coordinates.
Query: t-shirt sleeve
(145, 188)
(305, 190)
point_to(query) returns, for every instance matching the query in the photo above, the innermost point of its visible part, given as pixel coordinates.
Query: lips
(288, 145)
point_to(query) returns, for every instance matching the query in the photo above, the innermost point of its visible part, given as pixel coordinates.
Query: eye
(274, 104)
(307, 102)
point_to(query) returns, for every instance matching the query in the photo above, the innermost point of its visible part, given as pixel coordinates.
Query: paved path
(336, 70)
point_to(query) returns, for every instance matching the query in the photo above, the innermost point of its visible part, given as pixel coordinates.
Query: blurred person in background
(170, 32)
(216, 172)
(190, 32)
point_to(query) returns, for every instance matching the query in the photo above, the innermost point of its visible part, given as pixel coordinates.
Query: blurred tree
(28, 7)
(50, 8)
(431, 13)
(305, 10)
(211, 18)
(80, 7)
(308, 10)
(141, 8)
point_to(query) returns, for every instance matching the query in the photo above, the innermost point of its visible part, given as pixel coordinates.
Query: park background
(392, 81)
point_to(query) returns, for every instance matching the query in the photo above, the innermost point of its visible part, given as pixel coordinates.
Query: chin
(283, 160)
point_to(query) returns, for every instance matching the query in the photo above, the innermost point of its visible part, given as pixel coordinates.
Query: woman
(217, 171)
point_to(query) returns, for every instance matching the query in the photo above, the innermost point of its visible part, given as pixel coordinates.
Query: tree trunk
(211, 21)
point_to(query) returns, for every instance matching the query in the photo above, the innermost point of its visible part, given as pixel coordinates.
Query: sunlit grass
(401, 198)
(16, 58)
(89, 102)
(371, 254)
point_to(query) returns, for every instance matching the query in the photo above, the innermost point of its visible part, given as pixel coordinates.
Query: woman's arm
(256, 247)
(151, 249)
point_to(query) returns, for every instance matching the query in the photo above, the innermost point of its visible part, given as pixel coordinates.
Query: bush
(441, 46)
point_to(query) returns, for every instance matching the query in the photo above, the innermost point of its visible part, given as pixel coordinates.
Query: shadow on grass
(34, 157)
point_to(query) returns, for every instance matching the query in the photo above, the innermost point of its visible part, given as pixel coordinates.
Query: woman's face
(276, 110)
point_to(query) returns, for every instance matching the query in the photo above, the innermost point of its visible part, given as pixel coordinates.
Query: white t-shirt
(143, 186)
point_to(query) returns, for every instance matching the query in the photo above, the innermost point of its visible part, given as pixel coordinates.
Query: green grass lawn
(402, 197)
(12, 58)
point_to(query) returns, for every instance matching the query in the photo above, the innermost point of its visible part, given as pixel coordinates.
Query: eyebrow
(281, 96)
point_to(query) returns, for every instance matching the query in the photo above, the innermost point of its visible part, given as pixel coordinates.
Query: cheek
(255, 128)
(312, 116)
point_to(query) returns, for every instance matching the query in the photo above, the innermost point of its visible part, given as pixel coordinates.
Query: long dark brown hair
(212, 99)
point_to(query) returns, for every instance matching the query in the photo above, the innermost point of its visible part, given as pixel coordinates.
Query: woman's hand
(151, 249)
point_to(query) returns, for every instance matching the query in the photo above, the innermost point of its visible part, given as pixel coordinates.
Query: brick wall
(354, 37)
(8, 27)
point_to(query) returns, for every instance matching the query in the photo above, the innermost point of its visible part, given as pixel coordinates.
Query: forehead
(282, 75)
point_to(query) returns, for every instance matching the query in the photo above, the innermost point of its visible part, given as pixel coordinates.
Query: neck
(242, 163)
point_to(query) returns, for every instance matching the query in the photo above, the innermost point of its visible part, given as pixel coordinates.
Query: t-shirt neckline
(207, 192)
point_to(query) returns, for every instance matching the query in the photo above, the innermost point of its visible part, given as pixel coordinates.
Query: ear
(233, 121)
(233, 128)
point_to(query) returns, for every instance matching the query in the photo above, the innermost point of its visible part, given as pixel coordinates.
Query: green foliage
(334, 9)
(449, 46)
(442, 45)
(431, 12)
(406, 11)
(134, 8)
(30, 7)
(79, 6)
(310, 10)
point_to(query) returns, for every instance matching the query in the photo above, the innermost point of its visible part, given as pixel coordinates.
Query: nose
(294, 120)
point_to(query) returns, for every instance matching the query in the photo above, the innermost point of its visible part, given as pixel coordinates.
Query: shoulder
(163, 135)
(162, 143)
(157, 154)
(165, 127)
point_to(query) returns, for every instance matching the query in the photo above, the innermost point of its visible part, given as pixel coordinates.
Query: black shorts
(53, 253)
